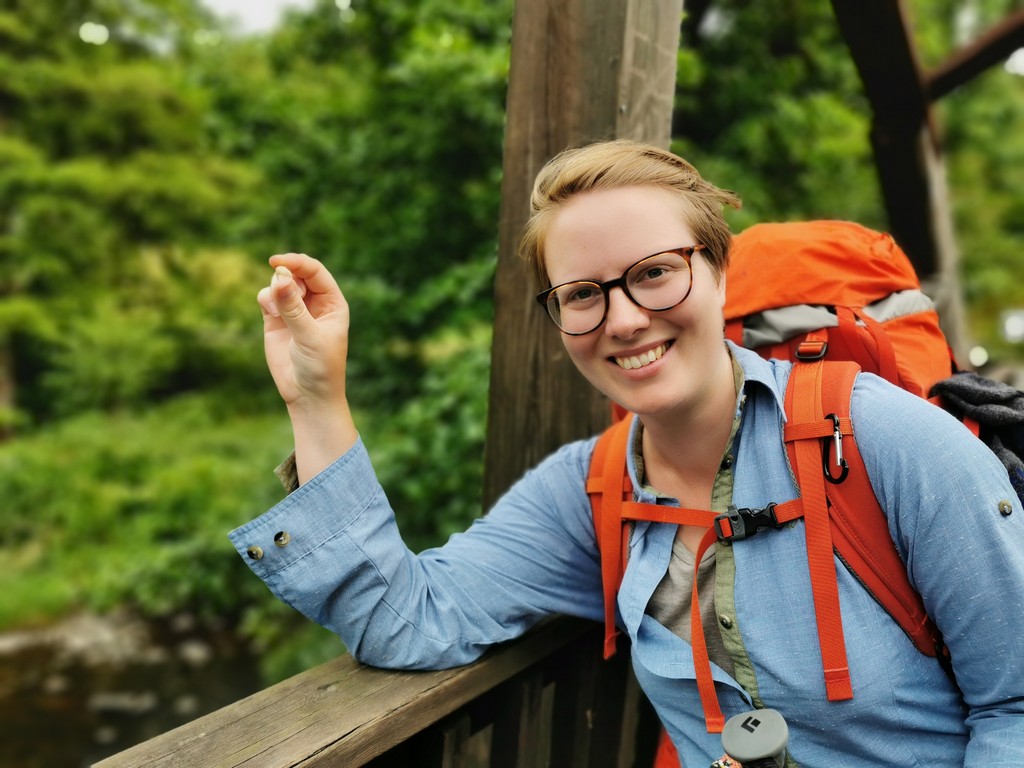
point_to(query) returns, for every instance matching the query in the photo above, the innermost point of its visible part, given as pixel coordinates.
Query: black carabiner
(837, 438)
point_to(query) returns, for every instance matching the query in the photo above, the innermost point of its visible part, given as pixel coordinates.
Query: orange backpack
(835, 298)
(838, 290)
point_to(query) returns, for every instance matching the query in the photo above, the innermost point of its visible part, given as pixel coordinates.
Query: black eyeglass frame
(685, 251)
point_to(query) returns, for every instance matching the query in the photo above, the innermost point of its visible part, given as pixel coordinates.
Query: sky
(254, 15)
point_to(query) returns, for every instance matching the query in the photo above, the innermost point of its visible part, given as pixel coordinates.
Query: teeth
(639, 361)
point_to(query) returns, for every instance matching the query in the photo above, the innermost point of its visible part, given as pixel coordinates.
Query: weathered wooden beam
(344, 713)
(968, 62)
(907, 152)
(580, 70)
(880, 45)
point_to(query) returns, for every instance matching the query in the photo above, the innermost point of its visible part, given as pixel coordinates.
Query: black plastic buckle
(738, 524)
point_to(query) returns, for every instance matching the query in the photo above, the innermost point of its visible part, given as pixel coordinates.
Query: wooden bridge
(548, 699)
(580, 70)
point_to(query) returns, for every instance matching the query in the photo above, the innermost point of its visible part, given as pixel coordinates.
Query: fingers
(305, 324)
(266, 297)
(286, 298)
(302, 291)
(307, 271)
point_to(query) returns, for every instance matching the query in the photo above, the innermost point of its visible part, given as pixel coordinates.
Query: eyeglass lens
(656, 283)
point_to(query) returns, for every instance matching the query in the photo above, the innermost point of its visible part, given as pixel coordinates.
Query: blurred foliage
(766, 107)
(106, 509)
(144, 182)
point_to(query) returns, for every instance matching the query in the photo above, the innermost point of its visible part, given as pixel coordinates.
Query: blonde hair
(624, 163)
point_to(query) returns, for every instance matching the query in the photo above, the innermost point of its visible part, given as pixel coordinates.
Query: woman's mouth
(639, 361)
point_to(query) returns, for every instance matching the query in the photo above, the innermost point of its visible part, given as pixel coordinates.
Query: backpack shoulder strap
(807, 425)
(612, 506)
(836, 488)
(608, 485)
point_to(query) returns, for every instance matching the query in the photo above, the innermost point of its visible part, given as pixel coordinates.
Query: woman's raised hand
(305, 336)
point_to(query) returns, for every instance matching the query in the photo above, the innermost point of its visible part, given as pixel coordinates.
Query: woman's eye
(652, 272)
(580, 295)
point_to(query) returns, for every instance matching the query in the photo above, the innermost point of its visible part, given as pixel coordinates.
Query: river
(89, 687)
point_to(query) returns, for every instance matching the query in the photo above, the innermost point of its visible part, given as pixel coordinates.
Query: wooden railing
(547, 699)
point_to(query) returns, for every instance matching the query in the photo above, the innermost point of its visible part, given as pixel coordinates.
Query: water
(79, 692)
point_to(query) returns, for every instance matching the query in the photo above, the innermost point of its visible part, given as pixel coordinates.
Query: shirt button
(725, 621)
(727, 461)
(281, 538)
(254, 553)
(1005, 508)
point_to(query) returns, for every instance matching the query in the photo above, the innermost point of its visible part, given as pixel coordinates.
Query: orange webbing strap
(882, 358)
(607, 484)
(860, 533)
(734, 331)
(803, 404)
(713, 717)
(657, 513)
(704, 518)
(611, 499)
(701, 662)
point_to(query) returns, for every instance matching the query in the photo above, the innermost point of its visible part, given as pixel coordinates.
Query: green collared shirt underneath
(670, 603)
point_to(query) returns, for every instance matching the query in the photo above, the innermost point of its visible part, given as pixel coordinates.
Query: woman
(630, 245)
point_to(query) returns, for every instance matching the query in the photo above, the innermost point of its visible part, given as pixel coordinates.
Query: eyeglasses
(656, 283)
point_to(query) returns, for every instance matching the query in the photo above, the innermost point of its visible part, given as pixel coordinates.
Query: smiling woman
(634, 242)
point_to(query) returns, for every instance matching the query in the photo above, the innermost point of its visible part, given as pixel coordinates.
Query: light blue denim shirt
(344, 565)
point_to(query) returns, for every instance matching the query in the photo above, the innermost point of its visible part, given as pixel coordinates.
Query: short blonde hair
(624, 163)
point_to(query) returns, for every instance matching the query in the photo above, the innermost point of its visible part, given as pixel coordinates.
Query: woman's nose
(625, 317)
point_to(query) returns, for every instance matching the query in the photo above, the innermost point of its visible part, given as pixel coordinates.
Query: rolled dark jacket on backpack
(999, 410)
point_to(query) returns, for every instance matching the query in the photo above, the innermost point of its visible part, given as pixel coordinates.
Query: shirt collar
(759, 372)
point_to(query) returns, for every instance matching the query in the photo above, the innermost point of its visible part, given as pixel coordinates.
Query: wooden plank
(455, 742)
(342, 712)
(640, 728)
(607, 712)
(518, 738)
(580, 70)
(989, 49)
(576, 695)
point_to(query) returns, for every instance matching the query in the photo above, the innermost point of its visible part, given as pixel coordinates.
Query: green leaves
(134, 510)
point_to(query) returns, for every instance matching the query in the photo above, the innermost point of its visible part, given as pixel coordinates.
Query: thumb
(288, 298)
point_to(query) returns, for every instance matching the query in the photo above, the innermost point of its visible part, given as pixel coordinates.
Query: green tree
(144, 182)
(769, 104)
(378, 130)
(119, 301)
(983, 141)
(104, 180)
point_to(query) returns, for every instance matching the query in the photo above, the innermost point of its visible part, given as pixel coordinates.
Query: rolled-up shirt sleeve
(332, 550)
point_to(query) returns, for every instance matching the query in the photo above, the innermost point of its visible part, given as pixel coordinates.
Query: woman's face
(597, 236)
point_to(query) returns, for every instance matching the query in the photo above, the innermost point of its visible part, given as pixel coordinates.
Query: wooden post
(907, 151)
(581, 70)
